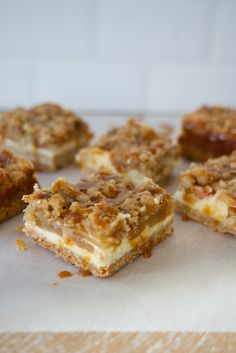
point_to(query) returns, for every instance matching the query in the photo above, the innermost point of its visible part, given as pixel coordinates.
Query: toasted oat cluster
(16, 179)
(208, 133)
(207, 193)
(134, 151)
(47, 134)
(100, 224)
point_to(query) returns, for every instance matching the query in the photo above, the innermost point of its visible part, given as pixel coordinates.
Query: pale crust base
(215, 225)
(69, 256)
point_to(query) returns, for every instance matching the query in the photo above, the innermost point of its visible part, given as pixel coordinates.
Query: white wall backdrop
(118, 55)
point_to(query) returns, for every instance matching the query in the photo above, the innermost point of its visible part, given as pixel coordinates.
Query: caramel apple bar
(100, 224)
(16, 179)
(134, 151)
(47, 134)
(209, 132)
(207, 193)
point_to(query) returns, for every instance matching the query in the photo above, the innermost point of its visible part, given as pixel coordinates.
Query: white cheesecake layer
(99, 257)
(212, 205)
(94, 158)
(41, 151)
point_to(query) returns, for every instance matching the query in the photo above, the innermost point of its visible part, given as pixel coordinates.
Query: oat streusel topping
(212, 121)
(43, 125)
(13, 171)
(215, 174)
(136, 146)
(105, 206)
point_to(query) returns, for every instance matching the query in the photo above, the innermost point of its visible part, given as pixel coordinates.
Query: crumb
(55, 284)
(21, 245)
(20, 228)
(65, 274)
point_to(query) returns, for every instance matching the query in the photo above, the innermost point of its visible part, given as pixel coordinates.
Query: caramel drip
(84, 273)
(65, 274)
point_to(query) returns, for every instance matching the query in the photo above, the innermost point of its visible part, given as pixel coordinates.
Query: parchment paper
(189, 283)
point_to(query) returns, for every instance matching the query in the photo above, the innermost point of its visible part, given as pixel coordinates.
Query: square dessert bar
(47, 134)
(16, 179)
(207, 193)
(134, 151)
(100, 224)
(209, 132)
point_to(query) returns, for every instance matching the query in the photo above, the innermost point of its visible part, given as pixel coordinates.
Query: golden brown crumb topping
(14, 171)
(216, 122)
(215, 174)
(137, 146)
(43, 125)
(20, 244)
(104, 206)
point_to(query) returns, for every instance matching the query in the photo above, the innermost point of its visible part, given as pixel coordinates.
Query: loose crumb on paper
(65, 274)
(55, 284)
(20, 228)
(20, 244)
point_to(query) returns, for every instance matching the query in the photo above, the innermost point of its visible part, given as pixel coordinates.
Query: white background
(111, 56)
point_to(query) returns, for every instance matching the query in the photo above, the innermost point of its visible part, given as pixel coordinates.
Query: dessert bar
(209, 132)
(16, 179)
(47, 134)
(134, 151)
(207, 193)
(101, 223)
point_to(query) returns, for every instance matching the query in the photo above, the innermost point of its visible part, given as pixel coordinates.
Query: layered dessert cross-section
(17, 178)
(47, 134)
(100, 224)
(209, 132)
(134, 151)
(207, 193)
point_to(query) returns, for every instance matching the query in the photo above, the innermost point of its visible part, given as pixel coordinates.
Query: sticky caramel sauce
(147, 253)
(211, 144)
(84, 273)
(69, 242)
(206, 211)
(189, 199)
(185, 217)
(65, 274)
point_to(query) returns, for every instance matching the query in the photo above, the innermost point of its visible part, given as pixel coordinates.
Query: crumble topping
(43, 125)
(14, 171)
(104, 207)
(139, 147)
(206, 179)
(217, 122)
